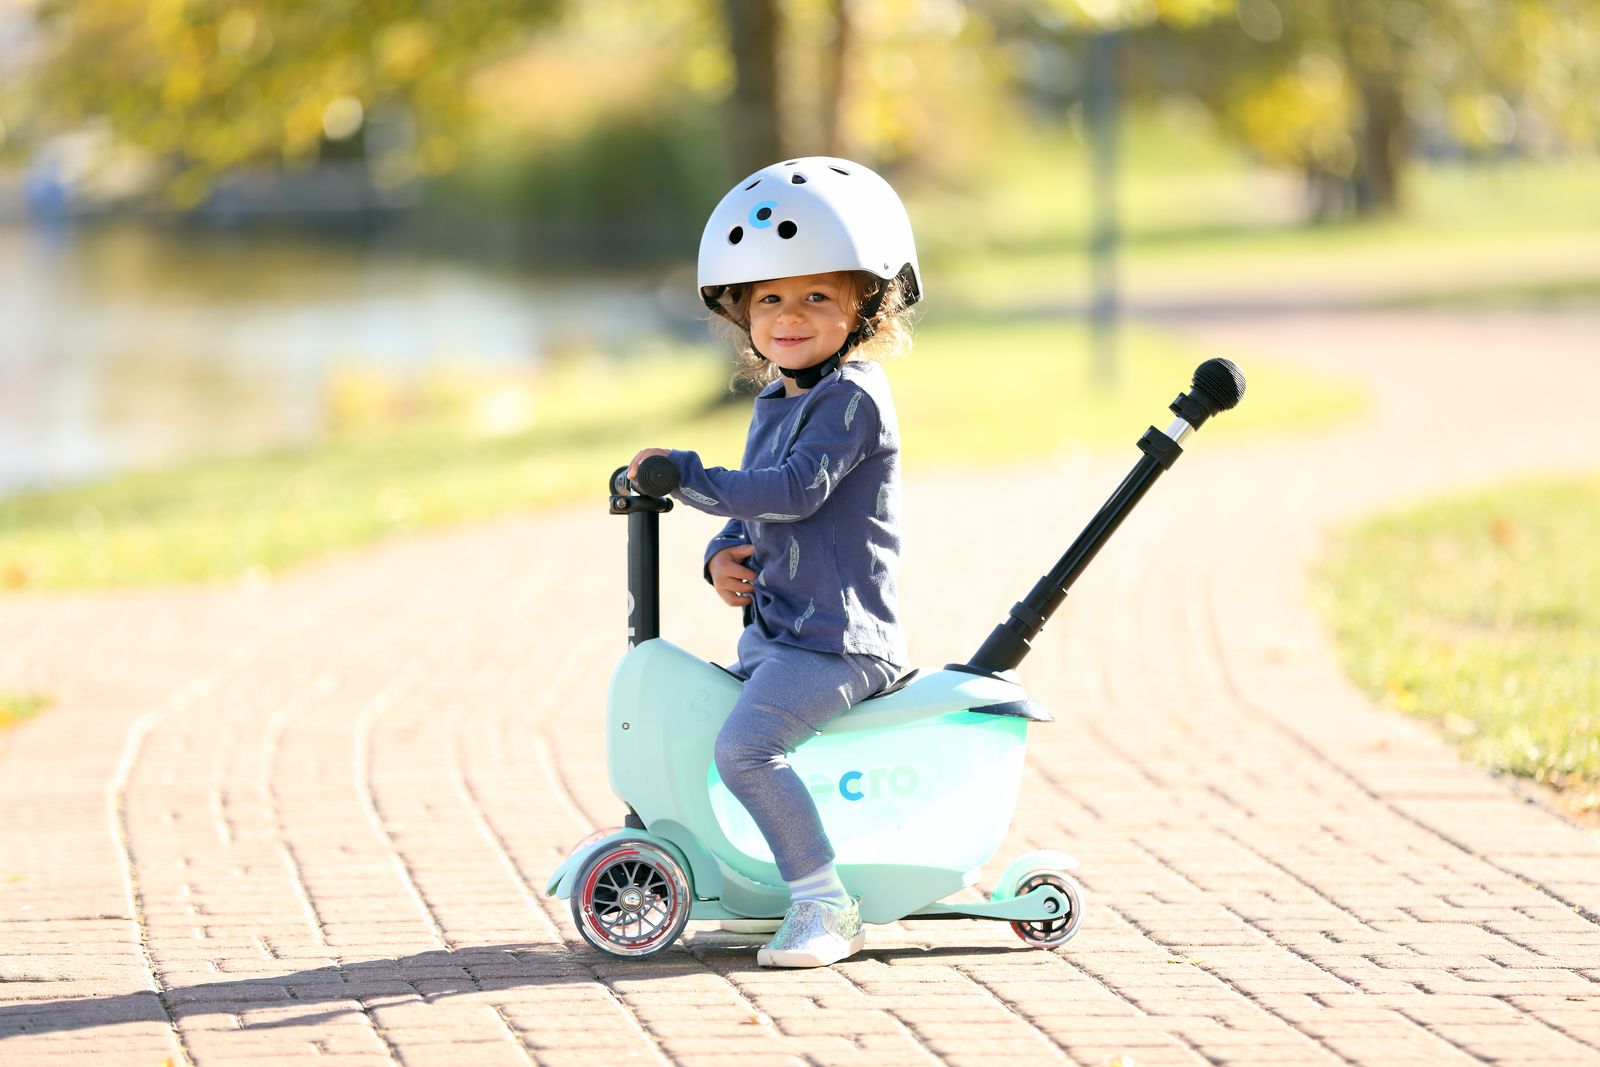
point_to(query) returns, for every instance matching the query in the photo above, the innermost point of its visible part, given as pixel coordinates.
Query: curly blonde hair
(891, 330)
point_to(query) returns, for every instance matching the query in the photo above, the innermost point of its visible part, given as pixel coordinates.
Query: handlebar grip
(657, 476)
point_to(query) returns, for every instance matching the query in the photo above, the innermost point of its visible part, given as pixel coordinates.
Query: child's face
(799, 322)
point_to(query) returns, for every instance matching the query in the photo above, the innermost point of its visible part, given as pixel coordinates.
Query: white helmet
(812, 215)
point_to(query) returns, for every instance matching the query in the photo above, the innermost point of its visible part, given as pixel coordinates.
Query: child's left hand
(633, 468)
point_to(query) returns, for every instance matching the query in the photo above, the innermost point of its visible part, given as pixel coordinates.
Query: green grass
(245, 517)
(15, 709)
(972, 392)
(1195, 216)
(993, 390)
(1480, 614)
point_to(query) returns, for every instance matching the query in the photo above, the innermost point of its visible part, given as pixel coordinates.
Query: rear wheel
(631, 899)
(1056, 930)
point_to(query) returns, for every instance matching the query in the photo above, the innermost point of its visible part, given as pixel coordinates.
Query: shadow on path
(324, 993)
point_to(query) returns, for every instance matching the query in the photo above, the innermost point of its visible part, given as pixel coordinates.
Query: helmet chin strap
(806, 377)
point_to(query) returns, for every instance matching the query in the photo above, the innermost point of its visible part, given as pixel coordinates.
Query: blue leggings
(790, 695)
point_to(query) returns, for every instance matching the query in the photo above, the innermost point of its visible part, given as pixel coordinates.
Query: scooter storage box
(915, 777)
(934, 793)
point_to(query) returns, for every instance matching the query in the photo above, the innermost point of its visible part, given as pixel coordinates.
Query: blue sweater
(818, 495)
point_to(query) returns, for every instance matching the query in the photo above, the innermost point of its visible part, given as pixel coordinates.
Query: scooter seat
(894, 686)
(898, 684)
(1011, 702)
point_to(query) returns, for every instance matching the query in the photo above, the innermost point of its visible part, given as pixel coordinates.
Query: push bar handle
(657, 477)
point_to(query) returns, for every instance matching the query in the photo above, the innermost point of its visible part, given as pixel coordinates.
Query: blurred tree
(1126, 14)
(1320, 85)
(836, 76)
(884, 81)
(1349, 90)
(755, 130)
(1345, 90)
(210, 85)
(419, 86)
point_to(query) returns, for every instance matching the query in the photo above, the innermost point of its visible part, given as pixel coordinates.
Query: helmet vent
(798, 179)
(787, 229)
(791, 162)
(736, 235)
(752, 185)
(839, 170)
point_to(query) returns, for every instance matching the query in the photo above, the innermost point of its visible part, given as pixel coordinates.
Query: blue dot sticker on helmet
(761, 214)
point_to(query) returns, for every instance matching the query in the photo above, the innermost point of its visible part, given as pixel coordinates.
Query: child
(811, 262)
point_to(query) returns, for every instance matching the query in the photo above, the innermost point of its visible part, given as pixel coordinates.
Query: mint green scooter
(915, 787)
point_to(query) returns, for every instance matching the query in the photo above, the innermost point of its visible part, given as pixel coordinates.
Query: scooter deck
(1043, 903)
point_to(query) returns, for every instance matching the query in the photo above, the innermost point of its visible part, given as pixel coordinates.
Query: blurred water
(124, 346)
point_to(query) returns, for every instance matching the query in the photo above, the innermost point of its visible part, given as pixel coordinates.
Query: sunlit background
(233, 226)
(278, 277)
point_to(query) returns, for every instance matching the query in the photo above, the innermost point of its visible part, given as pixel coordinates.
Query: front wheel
(591, 838)
(631, 899)
(1057, 930)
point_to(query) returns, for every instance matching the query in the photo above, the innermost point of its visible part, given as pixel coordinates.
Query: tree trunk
(836, 97)
(755, 136)
(1375, 60)
(1382, 145)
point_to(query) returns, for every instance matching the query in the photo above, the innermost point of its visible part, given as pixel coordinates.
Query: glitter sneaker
(815, 935)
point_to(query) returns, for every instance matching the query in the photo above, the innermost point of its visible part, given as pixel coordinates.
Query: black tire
(1056, 931)
(631, 899)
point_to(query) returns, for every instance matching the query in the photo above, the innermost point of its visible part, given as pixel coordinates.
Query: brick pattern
(314, 819)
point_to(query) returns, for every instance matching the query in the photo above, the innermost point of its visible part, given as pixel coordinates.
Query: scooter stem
(644, 576)
(1218, 385)
(644, 549)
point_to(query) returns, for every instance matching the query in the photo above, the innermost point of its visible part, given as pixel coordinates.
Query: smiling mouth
(790, 340)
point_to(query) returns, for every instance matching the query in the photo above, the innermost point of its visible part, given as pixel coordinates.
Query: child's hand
(729, 577)
(633, 467)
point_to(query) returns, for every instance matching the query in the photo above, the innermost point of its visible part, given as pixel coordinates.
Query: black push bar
(1217, 386)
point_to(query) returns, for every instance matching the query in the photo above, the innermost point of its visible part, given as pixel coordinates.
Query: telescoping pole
(1010, 641)
(1218, 385)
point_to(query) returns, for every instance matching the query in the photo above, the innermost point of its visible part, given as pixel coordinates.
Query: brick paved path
(309, 821)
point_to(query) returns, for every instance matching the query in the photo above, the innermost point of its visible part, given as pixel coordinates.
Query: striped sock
(821, 884)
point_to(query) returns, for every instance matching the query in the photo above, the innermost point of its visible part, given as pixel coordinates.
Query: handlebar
(657, 477)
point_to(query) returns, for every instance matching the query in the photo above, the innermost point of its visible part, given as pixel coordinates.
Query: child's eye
(818, 298)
